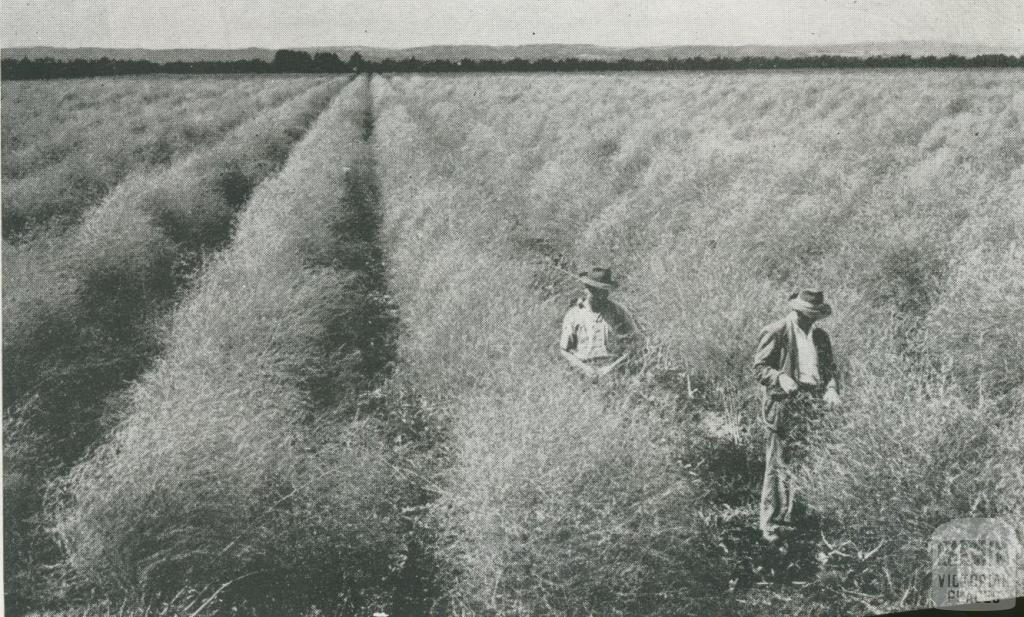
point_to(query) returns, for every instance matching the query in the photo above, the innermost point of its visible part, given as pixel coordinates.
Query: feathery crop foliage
(64, 148)
(712, 196)
(83, 310)
(292, 442)
(242, 454)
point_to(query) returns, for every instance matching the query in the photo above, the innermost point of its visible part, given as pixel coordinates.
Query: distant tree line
(288, 61)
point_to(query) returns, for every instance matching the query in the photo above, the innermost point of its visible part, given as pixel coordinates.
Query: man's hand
(788, 385)
(831, 397)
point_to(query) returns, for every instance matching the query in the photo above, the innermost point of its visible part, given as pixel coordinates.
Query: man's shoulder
(776, 327)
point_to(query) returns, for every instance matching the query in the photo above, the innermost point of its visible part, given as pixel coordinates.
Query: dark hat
(810, 302)
(598, 278)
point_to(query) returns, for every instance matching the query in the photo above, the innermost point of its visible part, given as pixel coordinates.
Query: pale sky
(407, 23)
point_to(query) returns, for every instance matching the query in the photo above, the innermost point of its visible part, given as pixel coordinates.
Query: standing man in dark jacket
(794, 363)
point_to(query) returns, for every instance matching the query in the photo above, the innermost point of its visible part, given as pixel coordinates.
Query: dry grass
(712, 196)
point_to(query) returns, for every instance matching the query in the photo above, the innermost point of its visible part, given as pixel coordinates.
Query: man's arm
(827, 362)
(630, 338)
(766, 358)
(567, 341)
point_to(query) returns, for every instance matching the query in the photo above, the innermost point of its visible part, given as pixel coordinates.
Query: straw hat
(810, 302)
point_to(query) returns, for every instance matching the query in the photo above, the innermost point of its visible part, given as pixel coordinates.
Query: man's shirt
(807, 355)
(595, 335)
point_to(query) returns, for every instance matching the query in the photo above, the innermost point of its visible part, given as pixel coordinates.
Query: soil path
(415, 590)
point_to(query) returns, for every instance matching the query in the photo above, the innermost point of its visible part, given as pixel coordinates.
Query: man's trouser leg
(777, 489)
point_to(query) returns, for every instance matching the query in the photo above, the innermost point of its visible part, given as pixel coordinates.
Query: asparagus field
(306, 363)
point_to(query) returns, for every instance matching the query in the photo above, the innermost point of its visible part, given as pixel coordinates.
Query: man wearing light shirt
(795, 365)
(597, 334)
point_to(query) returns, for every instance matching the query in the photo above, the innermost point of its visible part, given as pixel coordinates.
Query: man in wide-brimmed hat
(794, 363)
(597, 334)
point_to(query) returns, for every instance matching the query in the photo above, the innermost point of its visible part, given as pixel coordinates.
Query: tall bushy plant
(905, 458)
(973, 326)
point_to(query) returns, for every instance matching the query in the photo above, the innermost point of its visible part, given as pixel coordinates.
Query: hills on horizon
(556, 51)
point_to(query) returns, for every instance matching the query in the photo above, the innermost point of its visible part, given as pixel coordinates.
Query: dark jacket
(776, 354)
